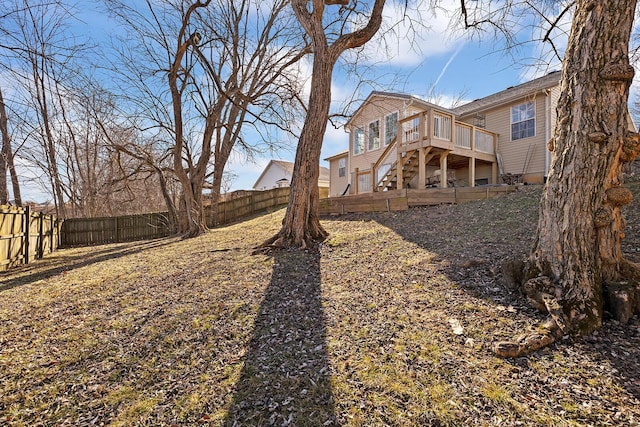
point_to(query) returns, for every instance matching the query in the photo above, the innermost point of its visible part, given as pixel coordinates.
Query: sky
(442, 67)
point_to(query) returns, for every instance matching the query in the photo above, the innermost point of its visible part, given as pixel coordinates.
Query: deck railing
(439, 125)
(484, 141)
(463, 135)
(411, 128)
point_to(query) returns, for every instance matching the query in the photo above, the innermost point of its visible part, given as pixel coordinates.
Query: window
(358, 141)
(390, 127)
(374, 135)
(523, 121)
(342, 167)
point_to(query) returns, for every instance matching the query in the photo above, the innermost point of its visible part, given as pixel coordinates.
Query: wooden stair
(409, 169)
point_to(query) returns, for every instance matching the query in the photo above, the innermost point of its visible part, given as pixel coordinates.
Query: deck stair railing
(389, 180)
(382, 161)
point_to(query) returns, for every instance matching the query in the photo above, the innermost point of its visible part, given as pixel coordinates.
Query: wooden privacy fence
(97, 231)
(398, 200)
(26, 236)
(258, 201)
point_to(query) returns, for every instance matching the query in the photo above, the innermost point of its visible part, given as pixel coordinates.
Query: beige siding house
(400, 141)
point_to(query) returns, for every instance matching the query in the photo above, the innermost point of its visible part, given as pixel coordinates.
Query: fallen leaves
(386, 323)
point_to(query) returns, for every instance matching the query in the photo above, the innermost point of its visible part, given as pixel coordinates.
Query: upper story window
(523, 121)
(358, 140)
(342, 167)
(374, 135)
(390, 127)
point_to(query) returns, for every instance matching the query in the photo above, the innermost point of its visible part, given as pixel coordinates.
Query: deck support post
(374, 181)
(443, 169)
(355, 183)
(399, 166)
(494, 173)
(422, 168)
(472, 171)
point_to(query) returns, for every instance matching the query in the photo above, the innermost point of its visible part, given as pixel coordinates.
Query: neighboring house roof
(279, 164)
(335, 156)
(510, 94)
(324, 174)
(287, 168)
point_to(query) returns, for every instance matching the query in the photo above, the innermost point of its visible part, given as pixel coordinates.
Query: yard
(389, 322)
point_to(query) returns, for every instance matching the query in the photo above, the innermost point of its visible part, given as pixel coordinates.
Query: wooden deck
(400, 200)
(432, 137)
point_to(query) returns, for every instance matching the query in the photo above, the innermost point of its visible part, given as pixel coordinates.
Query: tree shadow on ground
(285, 378)
(479, 274)
(51, 266)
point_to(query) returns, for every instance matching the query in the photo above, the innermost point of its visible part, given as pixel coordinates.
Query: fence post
(40, 235)
(116, 227)
(26, 222)
(51, 225)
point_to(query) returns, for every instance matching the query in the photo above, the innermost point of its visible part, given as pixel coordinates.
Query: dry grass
(387, 323)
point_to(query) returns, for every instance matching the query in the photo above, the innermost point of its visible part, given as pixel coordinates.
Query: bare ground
(389, 322)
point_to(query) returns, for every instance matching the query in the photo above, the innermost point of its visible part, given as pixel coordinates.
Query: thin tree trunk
(4, 129)
(171, 207)
(301, 225)
(577, 248)
(7, 155)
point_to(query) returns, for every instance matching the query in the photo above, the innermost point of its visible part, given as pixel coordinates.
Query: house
(401, 141)
(278, 174)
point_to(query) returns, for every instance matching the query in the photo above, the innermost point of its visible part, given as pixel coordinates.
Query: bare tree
(40, 62)
(6, 160)
(301, 225)
(233, 73)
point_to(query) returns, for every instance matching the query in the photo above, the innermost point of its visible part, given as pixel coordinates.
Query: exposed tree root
(307, 238)
(622, 300)
(527, 343)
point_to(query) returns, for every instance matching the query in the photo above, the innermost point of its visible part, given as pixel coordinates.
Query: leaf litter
(388, 323)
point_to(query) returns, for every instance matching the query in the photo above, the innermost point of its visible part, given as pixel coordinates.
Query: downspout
(547, 132)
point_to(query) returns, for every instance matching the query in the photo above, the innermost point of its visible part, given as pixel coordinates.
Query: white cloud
(409, 35)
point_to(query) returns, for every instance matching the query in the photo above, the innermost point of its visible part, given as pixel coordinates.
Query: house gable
(278, 173)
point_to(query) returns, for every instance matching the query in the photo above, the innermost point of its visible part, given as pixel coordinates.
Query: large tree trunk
(577, 249)
(193, 223)
(301, 225)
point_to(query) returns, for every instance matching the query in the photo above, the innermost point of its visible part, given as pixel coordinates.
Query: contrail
(444, 69)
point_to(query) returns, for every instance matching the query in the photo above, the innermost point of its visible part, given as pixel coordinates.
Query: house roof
(410, 99)
(287, 167)
(509, 94)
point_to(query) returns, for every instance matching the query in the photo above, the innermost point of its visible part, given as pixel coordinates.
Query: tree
(577, 248)
(301, 225)
(6, 160)
(236, 71)
(38, 55)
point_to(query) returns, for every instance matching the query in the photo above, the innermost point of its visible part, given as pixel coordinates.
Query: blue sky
(441, 64)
